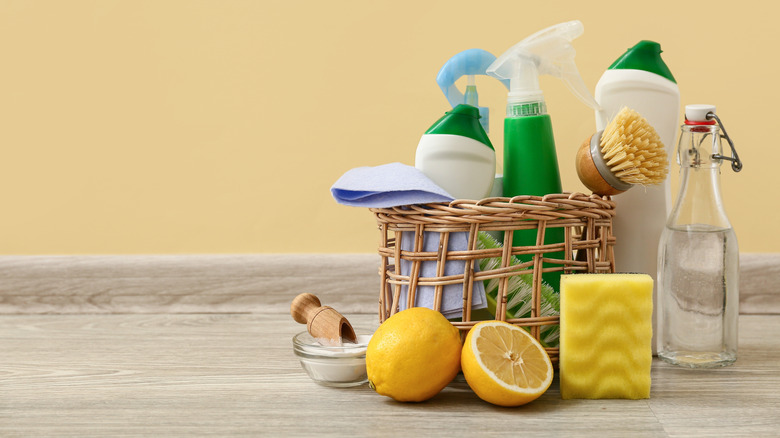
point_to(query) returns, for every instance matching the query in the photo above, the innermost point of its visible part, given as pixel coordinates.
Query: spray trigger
(470, 63)
(549, 52)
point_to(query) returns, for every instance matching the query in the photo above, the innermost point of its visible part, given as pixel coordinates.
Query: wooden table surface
(201, 345)
(236, 375)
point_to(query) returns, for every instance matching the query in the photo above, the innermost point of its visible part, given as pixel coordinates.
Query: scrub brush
(520, 292)
(627, 152)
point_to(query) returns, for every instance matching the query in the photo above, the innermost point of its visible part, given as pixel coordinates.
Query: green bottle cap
(645, 55)
(462, 120)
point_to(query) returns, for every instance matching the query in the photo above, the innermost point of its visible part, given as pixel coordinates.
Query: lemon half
(504, 365)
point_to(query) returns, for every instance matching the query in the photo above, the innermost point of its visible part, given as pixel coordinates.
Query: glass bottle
(698, 257)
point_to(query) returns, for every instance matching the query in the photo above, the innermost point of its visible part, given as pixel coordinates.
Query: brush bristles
(633, 150)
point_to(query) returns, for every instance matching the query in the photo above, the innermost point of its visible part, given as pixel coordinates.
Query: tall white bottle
(640, 80)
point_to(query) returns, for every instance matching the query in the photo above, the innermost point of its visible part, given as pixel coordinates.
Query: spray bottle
(530, 159)
(455, 152)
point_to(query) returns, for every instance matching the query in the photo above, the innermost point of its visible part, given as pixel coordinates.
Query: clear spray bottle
(698, 260)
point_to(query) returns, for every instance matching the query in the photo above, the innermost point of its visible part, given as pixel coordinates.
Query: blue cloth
(452, 294)
(388, 185)
(396, 184)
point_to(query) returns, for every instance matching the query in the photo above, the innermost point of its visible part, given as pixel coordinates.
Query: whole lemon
(413, 355)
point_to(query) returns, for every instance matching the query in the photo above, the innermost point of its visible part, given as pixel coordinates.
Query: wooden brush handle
(321, 321)
(589, 174)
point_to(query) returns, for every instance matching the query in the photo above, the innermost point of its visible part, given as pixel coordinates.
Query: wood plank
(759, 283)
(263, 283)
(231, 375)
(186, 284)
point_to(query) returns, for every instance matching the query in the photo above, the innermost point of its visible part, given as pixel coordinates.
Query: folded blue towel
(452, 294)
(396, 184)
(388, 185)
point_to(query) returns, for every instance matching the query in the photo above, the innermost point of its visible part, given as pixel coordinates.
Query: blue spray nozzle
(469, 63)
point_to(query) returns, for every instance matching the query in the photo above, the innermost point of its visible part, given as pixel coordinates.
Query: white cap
(698, 113)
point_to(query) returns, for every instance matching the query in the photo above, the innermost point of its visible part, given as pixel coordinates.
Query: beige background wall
(219, 126)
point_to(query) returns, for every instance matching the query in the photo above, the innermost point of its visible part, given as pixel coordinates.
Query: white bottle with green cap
(640, 80)
(456, 154)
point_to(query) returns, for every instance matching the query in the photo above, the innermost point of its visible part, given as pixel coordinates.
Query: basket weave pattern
(587, 247)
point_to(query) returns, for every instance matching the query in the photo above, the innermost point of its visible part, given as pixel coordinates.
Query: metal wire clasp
(736, 163)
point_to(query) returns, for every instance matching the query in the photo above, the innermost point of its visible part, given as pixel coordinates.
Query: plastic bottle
(530, 158)
(470, 63)
(640, 80)
(698, 257)
(452, 152)
(456, 154)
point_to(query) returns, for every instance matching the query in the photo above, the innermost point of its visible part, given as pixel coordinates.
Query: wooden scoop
(321, 321)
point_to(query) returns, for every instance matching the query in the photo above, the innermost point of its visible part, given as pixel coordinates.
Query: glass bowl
(333, 365)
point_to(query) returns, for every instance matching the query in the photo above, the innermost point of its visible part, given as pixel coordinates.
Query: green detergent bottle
(530, 158)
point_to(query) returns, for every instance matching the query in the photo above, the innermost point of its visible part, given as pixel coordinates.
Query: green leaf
(520, 292)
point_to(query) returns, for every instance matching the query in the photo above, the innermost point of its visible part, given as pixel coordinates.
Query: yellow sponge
(606, 330)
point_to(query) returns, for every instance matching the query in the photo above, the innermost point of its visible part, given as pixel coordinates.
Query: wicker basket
(587, 247)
